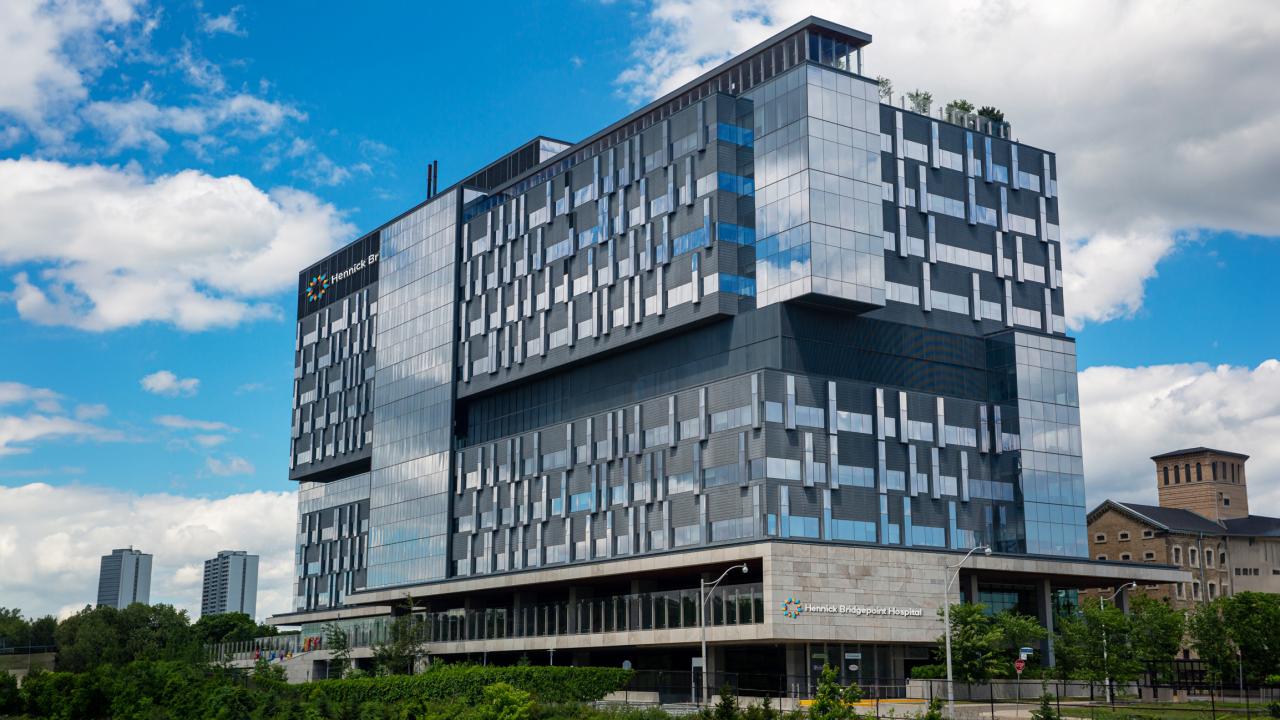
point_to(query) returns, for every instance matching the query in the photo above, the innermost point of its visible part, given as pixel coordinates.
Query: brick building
(1202, 525)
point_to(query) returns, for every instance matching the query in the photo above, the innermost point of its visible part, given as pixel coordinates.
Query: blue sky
(165, 170)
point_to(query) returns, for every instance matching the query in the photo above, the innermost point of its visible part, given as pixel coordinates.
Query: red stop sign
(1019, 664)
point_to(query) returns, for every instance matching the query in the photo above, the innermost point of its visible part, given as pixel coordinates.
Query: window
(1223, 557)
(1213, 590)
(1195, 590)
(580, 501)
(772, 411)
(1177, 556)
(684, 482)
(1208, 559)
(689, 428)
(1166, 474)
(1100, 538)
(782, 468)
(1193, 559)
(1102, 557)
(730, 419)
(1126, 556)
(805, 527)
(1226, 502)
(811, 416)
(1148, 533)
(1180, 589)
(1149, 556)
(1124, 536)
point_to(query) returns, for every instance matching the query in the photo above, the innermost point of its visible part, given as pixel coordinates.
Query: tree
(1211, 641)
(960, 106)
(10, 698)
(1083, 636)
(1046, 711)
(921, 101)
(727, 707)
(403, 644)
(976, 643)
(1253, 626)
(43, 630)
(991, 113)
(158, 632)
(1157, 630)
(107, 636)
(14, 629)
(830, 701)
(335, 640)
(225, 627)
(886, 88)
(1018, 631)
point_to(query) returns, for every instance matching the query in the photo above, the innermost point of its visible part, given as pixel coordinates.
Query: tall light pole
(946, 621)
(1102, 605)
(704, 591)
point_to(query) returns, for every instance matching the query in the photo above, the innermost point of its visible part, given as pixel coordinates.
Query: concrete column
(973, 587)
(1045, 603)
(1122, 600)
(517, 620)
(797, 668)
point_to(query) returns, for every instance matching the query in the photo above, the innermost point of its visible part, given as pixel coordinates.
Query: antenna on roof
(433, 178)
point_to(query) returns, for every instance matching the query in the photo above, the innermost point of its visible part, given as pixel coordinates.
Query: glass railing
(667, 610)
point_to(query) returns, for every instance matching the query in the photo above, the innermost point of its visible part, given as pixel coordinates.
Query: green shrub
(10, 699)
(503, 701)
(929, 672)
(466, 683)
(934, 711)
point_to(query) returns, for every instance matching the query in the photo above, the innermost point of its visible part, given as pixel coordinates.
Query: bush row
(466, 683)
(159, 690)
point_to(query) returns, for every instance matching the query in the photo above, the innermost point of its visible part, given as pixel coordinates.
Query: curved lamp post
(946, 620)
(704, 592)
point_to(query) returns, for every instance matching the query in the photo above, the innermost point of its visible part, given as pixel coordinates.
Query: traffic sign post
(1018, 666)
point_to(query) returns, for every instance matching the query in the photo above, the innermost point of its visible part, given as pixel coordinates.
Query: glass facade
(614, 327)
(818, 219)
(413, 410)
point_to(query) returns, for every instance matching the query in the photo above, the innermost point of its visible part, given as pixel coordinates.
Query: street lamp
(704, 591)
(1102, 605)
(946, 620)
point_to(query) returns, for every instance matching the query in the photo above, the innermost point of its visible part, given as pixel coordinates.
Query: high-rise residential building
(767, 320)
(1202, 524)
(230, 584)
(124, 578)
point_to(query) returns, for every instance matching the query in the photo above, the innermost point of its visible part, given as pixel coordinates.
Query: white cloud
(51, 559)
(44, 399)
(232, 465)
(188, 249)
(209, 441)
(92, 411)
(19, 430)
(9, 136)
(229, 23)
(35, 414)
(49, 51)
(315, 166)
(1145, 150)
(1129, 414)
(164, 382)
(141, 123)
(178, 422)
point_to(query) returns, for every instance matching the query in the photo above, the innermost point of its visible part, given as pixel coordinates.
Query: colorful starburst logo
(317, 287)
(792, 608)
